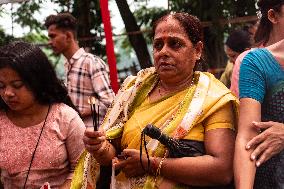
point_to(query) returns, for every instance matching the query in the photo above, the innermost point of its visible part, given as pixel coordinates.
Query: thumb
(262, 125)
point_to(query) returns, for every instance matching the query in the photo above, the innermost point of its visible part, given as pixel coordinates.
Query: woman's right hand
(95, 142)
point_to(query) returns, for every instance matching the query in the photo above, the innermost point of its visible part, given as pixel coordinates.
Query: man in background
(86, 74)
(237, 42)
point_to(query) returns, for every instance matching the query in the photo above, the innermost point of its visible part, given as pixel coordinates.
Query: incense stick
(95, 115)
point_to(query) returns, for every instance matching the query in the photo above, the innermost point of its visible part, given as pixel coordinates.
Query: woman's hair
(265, 26)
(193, 28)
(36, 71)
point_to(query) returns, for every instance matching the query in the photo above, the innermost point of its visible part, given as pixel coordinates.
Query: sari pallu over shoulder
(208, 96)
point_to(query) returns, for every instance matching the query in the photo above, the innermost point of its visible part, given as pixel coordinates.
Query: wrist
(154, 164)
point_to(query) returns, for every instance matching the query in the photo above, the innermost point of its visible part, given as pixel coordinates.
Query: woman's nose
(9, 92)
(164, 50)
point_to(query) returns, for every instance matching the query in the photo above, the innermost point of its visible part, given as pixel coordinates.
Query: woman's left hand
(131, 166)
(267, 143)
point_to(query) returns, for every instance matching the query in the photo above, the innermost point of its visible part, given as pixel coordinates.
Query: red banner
(109, 45)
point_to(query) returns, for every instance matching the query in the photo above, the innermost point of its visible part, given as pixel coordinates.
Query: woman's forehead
(169, 28)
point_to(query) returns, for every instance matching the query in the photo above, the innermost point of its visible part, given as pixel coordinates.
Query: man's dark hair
(64, 21)
(239, 41)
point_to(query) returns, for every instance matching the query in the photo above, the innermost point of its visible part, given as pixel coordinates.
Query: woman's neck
(277, 51)
(274, 37)
(171, 86)
(29, 116)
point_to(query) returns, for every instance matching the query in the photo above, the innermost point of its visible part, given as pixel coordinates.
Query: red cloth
(109, 45)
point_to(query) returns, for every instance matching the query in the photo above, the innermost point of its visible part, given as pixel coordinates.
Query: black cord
(143, 138)
(36, 147)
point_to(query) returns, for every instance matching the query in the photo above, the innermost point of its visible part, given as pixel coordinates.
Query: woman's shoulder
(64, 112)
(212, 80)
(260, 61)
(257, 55)
(141, 76)
(65, 118)
(214, 88)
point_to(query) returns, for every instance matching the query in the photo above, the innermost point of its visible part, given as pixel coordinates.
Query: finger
(256, 140)
(94, 141)
(115, 160)
(263, 125)
(101, 129)
(93, 134)
(93, 148)
(264, 157)
(259, 150)
(120, 164)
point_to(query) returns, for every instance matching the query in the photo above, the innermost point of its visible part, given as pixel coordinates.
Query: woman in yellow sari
(182, 102)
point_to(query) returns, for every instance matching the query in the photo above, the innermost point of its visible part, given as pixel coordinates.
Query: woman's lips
(11, 103)
(165, 66)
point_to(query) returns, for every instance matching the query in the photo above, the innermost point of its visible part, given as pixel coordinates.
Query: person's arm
(252, 90)
(214, 168)
(244, 168)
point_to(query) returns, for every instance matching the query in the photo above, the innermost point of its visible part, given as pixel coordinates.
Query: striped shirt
(87, 75)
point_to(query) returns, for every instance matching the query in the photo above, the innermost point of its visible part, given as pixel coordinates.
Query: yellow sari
(185, 114)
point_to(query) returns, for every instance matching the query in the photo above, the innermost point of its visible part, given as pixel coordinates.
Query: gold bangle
(160, 166)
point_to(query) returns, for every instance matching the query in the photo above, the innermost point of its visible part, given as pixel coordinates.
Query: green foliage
(39, 38)
(24, 15)
(5, 38)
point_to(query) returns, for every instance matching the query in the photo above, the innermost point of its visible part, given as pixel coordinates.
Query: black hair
(193, 29)
(64, 21)
(36, 72)
(239, 41)
(265, 26)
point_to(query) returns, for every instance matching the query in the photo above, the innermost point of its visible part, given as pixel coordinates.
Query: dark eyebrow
(170, 37)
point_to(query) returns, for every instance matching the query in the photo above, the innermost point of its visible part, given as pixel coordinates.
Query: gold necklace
(159, 86)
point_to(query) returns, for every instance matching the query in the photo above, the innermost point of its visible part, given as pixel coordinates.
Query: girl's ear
(272, 16)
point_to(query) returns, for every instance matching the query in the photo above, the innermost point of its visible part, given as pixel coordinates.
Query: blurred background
(131, 23)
